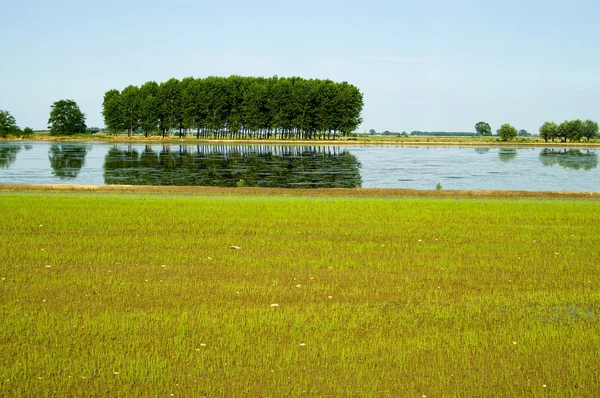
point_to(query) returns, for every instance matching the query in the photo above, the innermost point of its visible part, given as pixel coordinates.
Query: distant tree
(590, 130)
(8, 124)
(549, 131)
(523, 133)
(483, 128)
(27, 132)
(507, 132)
(66, 118)
(372, 132)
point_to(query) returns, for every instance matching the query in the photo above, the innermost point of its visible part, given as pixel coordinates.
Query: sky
(428, 65)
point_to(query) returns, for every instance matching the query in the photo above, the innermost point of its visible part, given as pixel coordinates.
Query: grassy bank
(129, 295)
(359, 140)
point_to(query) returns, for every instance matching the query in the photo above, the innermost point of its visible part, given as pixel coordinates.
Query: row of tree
(236, 107)
(572, 130)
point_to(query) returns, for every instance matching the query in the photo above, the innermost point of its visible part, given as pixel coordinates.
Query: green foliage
(27, 132)
(238, 107)
(570, 130)
(375, 297)
(438, 187)
(524, 133)
(506, 132)
(8, 124)
(590, 130)
(66, 118)
(483, 128)
(114, 117)
(148, 102)
(130, 108)
(549, 131)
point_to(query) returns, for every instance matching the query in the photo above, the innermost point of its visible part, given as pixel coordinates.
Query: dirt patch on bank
(334, 192)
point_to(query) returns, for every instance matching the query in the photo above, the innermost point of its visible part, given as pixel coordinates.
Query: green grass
(133, 295)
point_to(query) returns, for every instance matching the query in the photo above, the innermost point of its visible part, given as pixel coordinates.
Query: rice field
(190, 295)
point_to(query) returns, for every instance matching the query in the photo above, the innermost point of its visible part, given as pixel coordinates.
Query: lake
(301, 166)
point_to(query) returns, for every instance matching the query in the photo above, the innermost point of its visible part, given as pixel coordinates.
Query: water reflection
(67, 160)
(229, 166)
(507, 154)
(482, 151)
(575, 159)
(8, 155)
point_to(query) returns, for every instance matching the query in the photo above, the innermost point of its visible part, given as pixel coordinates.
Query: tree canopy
(8, 124)
(237, 107)
(66, 118)
(570, 130)
(507, 132)
(483, 128)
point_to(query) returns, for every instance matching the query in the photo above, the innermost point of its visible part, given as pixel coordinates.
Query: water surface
(420, 167)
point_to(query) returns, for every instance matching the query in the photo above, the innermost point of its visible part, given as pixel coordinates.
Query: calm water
(534, 169)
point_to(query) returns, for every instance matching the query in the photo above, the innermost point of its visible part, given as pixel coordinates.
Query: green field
(141, 295)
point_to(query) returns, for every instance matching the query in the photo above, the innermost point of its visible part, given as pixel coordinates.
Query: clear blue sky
(422, 65)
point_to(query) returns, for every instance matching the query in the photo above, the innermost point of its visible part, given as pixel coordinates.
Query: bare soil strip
(334, 192)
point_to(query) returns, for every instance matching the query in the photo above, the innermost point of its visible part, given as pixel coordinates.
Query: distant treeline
(442, 134)
(236, 107)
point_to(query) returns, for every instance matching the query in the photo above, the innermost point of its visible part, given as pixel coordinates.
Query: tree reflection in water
(575, 159)
(507, 154)
(67, 160)
(8, 155)
(230, 166)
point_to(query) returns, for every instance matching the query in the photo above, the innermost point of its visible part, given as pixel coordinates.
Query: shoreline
(316, 192)
(351, 141)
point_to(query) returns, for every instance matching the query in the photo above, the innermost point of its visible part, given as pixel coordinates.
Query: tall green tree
(112, 111)
(238, 107)
(590, 130)
(183, 123)
(483, 128)
(170, 109)
(506, 132)
(148, 96)
(350, 108)
(8, 124)
(195, 105)
(66, 118)
(131, 108)
(549, 131)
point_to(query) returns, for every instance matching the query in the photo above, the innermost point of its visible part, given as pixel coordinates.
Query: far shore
(363, 140)
(331, 192)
